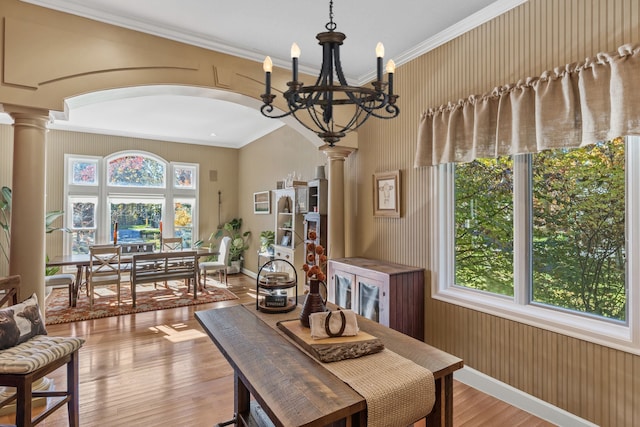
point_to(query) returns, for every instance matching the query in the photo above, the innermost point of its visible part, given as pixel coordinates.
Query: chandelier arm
(338, 63)
(328, 50)
(343, 82)
(266, 110)
(393, 111)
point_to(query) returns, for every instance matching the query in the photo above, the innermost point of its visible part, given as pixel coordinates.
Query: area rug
(148, 298)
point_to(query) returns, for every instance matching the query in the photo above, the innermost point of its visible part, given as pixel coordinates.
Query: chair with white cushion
(220, 265)
(59, 280)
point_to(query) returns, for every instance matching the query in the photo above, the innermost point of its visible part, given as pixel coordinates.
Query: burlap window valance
(575, 105)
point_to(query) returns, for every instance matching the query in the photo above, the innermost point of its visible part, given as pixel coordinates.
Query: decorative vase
(313, 302)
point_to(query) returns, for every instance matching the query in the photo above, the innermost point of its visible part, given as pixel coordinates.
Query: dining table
(82, 262)
(295, 389)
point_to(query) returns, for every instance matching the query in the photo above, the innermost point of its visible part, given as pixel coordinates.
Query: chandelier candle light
(320, 99)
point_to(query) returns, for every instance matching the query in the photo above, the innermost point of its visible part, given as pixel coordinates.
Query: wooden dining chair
(171, 244)
(104, 269)
(25, 363)
(59, 280)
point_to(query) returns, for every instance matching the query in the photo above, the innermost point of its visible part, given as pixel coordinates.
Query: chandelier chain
(331, 26)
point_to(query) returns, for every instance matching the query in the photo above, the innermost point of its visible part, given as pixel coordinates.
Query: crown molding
(76, 7)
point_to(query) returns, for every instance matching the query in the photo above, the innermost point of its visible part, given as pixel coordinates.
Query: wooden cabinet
(388, 293)
(317, 196)
(315, 222)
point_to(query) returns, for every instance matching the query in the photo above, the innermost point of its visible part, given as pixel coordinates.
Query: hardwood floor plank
(159, 368)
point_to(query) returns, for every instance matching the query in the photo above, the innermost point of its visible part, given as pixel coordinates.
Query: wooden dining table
(294, 389)
(82, 262)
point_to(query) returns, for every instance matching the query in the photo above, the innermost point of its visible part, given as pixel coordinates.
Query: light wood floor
(160, 369)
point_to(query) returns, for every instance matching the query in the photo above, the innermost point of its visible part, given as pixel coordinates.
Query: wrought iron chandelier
(320, 100)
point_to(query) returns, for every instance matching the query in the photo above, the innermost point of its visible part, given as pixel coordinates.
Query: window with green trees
(577, 217)
(548, 231)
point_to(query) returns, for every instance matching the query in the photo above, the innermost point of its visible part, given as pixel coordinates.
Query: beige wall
(594, 382)
(264, 162)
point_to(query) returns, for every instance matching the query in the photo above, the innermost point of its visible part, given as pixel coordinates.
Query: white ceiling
(253, 29)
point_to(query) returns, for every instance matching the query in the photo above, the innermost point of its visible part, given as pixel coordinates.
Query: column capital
(337, 153)
(19, 110)
(27, 116)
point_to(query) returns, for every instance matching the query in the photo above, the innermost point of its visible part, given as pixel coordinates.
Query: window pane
(84, 214)
(184, 177)
(579, 229)
(82, 223)
(136, 171)
(138, 221)
(484, 225)
(183, 220)
(84, 172)
(81, 240)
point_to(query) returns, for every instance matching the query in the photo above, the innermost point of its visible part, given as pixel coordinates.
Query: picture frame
(286, 240)
(262, 203)
(386, 194)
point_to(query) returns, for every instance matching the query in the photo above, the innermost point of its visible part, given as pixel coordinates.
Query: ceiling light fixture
(319, 100)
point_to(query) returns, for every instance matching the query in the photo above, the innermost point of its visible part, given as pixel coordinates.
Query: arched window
(128, 197)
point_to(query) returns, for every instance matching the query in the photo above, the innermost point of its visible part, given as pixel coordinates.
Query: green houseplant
(267, 239)
(239, 241)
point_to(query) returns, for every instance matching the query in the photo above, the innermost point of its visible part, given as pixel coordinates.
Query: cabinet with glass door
(388, 293)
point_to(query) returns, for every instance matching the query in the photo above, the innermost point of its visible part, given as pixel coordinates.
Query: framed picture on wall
(262, 202)
(386, 194)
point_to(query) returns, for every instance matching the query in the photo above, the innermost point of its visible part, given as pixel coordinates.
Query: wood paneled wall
(594, 382)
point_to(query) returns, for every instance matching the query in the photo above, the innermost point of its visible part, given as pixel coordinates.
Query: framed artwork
(386, 194)
(262, 202)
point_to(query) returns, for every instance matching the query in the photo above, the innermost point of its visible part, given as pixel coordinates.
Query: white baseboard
(519, 399)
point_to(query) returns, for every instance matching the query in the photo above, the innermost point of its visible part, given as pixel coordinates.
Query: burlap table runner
(397, 390)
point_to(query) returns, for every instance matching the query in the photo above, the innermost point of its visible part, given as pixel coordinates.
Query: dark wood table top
(83, 259)
(292, 387)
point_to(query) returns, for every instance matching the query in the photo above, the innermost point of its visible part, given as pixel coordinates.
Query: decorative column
(27, 255)
(336, 202)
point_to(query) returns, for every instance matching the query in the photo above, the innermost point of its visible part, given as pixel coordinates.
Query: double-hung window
(545, 238)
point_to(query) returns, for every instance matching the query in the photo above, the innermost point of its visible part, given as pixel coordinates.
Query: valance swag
(571, 106)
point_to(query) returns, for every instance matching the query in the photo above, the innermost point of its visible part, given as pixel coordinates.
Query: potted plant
(267, 239)
(239, 243)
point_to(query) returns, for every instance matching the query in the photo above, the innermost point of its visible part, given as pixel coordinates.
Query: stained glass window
(84, 172)
(184, 177)
(134, 170)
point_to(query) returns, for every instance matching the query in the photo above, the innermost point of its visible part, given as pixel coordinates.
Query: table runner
(398, 391)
